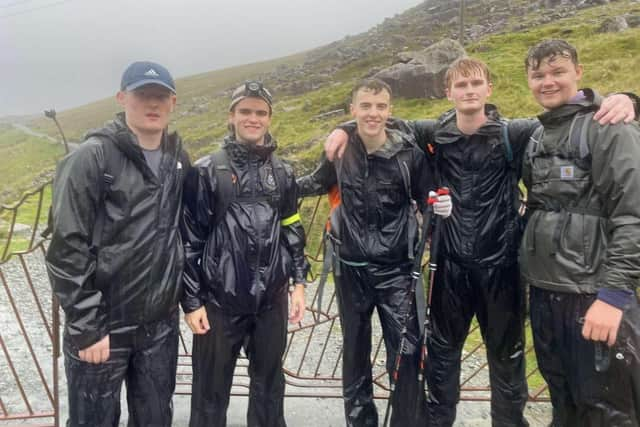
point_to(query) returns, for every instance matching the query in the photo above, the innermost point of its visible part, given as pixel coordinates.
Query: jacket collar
(396, 142)
(590, 101)
(241, 151)
(448, 132)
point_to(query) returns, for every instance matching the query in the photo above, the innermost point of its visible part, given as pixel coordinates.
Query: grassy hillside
(24, 160)
(202, 107)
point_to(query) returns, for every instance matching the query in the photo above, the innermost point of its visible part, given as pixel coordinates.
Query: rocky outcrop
(423, 75)
(614, 25)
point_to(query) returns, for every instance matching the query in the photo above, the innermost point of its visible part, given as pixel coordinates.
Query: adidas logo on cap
(152, 73)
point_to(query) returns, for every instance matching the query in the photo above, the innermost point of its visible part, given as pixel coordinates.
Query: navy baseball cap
(143, 73)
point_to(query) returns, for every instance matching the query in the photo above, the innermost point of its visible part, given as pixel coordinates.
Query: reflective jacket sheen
(377, 219)
(243, 263)
(133, 276)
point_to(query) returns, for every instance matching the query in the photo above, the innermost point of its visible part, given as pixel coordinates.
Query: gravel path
(308, 411)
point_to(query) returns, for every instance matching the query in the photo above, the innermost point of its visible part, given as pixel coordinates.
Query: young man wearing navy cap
(115, 258)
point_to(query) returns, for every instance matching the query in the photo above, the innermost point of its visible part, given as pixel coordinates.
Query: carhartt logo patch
(566, 172)
(152, 73)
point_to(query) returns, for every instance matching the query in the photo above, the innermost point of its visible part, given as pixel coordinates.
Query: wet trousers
(581, 396)
(145, 358)
(264, 336)
(495, 297)
(387, 289)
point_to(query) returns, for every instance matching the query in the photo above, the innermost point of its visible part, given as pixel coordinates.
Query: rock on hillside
(422, 76)
(416, 29)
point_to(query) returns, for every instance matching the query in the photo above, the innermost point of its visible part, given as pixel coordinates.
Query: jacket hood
(239, 150)
(125, 140)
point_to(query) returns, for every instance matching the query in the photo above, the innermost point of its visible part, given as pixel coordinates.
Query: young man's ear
(448, 92)
(579, 71)
(351, 110)
(120, 97)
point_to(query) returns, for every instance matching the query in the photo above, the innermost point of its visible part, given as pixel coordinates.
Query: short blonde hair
(466, 67)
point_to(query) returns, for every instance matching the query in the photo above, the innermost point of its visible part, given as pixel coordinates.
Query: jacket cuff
(619, 298)
(190, 304)
(84, 339)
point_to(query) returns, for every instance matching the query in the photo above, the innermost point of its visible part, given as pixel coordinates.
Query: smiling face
(469, 92)
(250, 119)
(554, 81)
(147, 108)
(371, 111)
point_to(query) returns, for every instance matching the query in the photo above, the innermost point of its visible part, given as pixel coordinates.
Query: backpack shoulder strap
(109, 171)
(578, 134)
(225, 192)
(280, 173)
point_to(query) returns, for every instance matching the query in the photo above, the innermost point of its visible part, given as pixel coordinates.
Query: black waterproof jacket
(133, 275)
(477, 171)
(243, 263)
(376, 216)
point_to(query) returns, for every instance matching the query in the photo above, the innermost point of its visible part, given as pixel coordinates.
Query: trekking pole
(433, 266)
(415, 281)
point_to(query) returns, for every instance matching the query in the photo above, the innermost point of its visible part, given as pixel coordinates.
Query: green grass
(24, 160)
(31, 210)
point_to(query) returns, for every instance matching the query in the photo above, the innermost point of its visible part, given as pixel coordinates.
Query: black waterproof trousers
(495, 297)
(581, 396)
(264, 337)
(360, 290)
(145, 358)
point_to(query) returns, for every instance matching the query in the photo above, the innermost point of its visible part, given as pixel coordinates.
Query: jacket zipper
(254, 186)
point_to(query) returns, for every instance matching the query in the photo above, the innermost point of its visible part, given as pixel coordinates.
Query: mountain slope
(314, 82)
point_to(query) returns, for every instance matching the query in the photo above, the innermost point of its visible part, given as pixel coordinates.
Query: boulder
(614, 25)
(423, 75)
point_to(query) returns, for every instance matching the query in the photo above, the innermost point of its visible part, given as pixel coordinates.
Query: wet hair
(374, 85)
(466, 67)
(550, 49)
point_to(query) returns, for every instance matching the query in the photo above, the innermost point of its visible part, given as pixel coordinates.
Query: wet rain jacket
(583, 237)
(243, 263)
(376, 216)
(377, 229)
(477, 269)
(584, 227)
(479, 230)
(133, 276)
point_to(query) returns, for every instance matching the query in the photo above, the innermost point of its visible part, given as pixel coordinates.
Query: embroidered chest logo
(271, 181)
(566, 172)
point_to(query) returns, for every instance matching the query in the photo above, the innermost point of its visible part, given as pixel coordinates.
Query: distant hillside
(314, 82)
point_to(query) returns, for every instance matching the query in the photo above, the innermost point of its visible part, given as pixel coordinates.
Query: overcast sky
(65, 53)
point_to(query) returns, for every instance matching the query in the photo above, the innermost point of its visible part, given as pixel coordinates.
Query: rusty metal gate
(30, 334)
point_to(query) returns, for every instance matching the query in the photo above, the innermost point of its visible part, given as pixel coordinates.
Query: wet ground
(25, 382)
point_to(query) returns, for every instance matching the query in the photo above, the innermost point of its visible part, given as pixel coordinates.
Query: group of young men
(138, 229)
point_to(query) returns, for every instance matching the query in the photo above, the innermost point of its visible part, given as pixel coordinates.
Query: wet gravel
(25, 308)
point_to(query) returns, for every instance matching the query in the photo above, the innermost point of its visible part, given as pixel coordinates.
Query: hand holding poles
(415, 281)
(433, 266)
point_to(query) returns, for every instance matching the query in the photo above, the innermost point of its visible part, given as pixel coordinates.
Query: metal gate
(30, 332)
